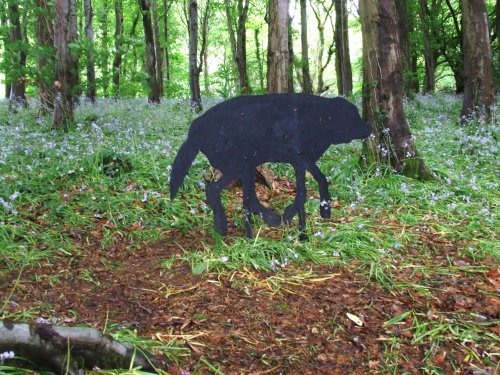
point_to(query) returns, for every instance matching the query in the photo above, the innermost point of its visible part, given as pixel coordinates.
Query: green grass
(114, 167)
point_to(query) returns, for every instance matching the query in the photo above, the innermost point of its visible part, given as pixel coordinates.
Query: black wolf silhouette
(241, 133)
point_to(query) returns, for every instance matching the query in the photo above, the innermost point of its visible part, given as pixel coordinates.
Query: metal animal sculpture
(241, 133)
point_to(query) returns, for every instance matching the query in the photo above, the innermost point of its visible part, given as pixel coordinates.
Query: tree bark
(118, 55)
(166, 54)
(17, 75)
(478, 92)
(391, 141)
(306, 73)
(47, 346)
(154, 89)
(241, 47)
(321, 19)
(105, 49)
(232, 42)
(404, 25)
(5, 39)
(45, 63)
(277, 53)
(260, 62)
(65, 33)
(342, 55)
(89, 33)
(194, 72)
(429, 55)
(156, 34)
(291, 57)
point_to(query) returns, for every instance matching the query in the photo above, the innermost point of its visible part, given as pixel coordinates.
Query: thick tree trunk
(321, 18)
(260, 62)
(118, 55)
(342, 56)
(156, 34)
(17, 75)
(391, 141)
(65, 33)
(47, 347)
(194, 72)
(89, 33)
(154, 89)
(45, 63)
(478, 92)
(277, 52)
(306, 73)
(429, 55)
(105, 49)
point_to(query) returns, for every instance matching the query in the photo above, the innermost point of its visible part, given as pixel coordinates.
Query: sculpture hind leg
(324, 194)
(300, 199)
(213, 192)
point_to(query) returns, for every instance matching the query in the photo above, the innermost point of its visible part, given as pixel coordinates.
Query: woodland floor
(294, 321)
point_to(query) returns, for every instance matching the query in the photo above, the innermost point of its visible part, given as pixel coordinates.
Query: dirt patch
(313, 320)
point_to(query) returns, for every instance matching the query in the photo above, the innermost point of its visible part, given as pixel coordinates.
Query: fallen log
(68, 349)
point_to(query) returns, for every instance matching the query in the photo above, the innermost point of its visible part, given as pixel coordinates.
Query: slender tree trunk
(65, 33)
(105, 49)
(306, 74)
(45, 63)
(391, 141)
(429, 56)
(277, 52)
(260, 62)
(342, 56)
(154, 89)
(232, 41)
(478, 93)
(291, 57)
(156, 34)
(89, 33)
(404, 45)
(321, 19)
(194, 72)
(166, 6)
(204, 43)
(18, 79)
(5, 39)
(241, 47)
(118, 55)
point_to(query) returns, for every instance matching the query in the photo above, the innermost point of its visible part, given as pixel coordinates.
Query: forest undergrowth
(404, 277)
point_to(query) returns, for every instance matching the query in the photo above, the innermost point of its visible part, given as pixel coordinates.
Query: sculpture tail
(182, 162)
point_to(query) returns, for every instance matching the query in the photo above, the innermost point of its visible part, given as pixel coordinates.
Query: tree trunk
(306, 74)
(342, 56)
(47, 346)
(5, 37)
(260, 62)
(404, 46)
(45, 63)
(241, 47)
(89, 33)
(478, 93)
(17, 75)
(118, 55)
(429, 55)
(65, 33)
(391, 141)
(194, 72)
(291, 57)
(321, 18)
(277, 52)
(105, 49)
(166, 7)
(156, 34)
(154, 89)
(232, 42)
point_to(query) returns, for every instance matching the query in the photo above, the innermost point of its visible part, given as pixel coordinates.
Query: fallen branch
(51, 347)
